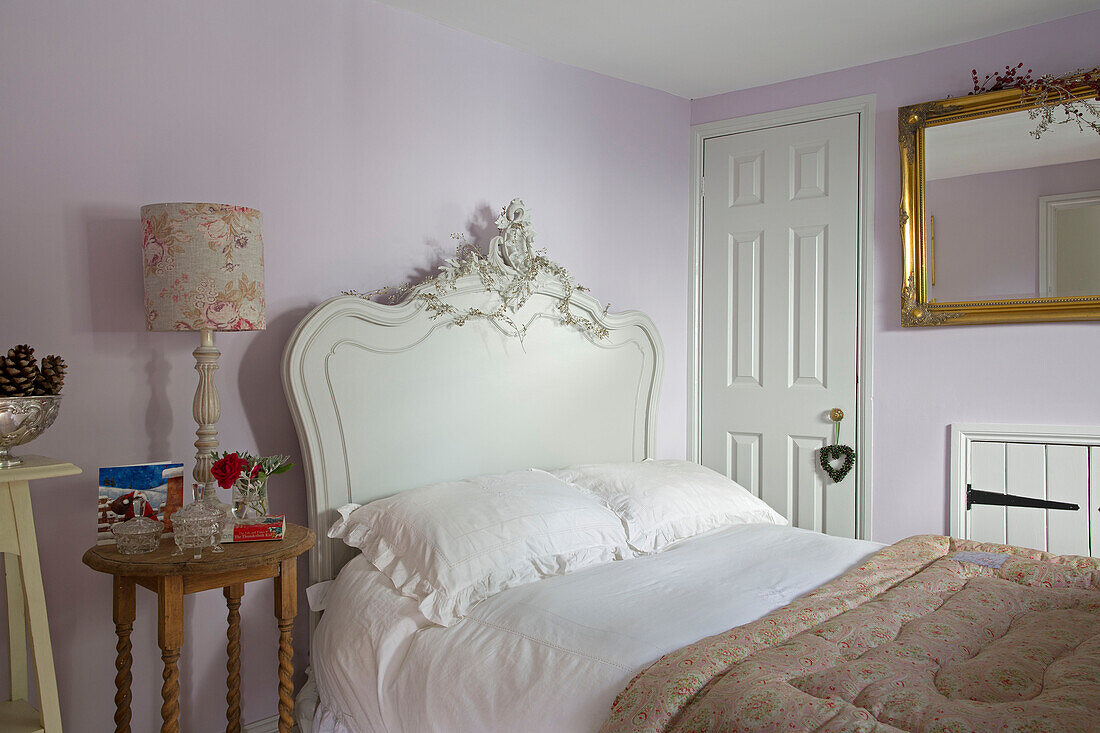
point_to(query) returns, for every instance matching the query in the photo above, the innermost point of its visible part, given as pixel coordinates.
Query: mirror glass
(1008, 215)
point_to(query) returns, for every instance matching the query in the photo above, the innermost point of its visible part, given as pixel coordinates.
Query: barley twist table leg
(123, 678)
(286, 608)
(170, 692)
(170, 636)
(233, 595)
(124, 625)
(286, 671)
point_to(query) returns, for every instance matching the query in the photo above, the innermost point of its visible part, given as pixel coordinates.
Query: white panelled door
(779, 319)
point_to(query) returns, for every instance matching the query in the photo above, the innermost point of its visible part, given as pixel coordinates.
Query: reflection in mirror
(1014, 217)
(1069, 244)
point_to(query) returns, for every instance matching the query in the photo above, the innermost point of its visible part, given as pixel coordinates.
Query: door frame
(864, 107)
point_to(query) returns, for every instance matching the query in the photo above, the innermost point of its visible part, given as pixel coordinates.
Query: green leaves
(269, 465)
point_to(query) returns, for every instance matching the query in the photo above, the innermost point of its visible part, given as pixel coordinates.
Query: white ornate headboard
(385, 398)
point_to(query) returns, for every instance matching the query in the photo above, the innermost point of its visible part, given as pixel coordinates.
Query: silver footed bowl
(22, 419)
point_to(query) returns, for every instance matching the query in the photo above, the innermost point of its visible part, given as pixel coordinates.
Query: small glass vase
(250, 500)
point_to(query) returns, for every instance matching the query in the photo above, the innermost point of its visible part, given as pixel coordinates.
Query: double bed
(388, 399)
(551, 655)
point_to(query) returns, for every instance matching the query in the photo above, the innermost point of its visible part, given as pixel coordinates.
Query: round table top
(237, 556)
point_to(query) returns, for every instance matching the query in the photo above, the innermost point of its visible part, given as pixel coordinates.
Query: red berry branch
(1049, 93)
(1010, 78)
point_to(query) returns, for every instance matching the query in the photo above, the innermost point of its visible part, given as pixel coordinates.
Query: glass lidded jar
(138, 535)
(197, 526)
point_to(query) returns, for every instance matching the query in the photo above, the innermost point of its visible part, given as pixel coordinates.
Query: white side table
(27, 599)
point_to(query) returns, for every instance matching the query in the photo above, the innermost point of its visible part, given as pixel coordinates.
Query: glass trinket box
(138, 535)
(197, 526)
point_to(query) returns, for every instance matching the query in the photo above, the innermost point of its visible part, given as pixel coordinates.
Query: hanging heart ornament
(830, 453)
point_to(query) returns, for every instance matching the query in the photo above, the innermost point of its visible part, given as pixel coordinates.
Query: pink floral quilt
(930, 634)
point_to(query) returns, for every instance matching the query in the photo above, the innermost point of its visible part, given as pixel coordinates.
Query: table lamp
(204, 271)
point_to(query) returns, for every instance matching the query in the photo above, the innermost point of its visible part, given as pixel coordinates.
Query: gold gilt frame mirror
(1019, 230)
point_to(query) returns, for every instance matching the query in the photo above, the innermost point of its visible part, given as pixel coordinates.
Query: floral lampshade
(204, 267)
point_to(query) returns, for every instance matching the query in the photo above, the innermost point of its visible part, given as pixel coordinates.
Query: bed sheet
(551, 655)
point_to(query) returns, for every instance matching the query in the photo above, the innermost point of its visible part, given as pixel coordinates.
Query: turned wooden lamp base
(207, 408)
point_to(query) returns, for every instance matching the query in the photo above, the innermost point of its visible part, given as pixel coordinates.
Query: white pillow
(664, 501)
(450, 545)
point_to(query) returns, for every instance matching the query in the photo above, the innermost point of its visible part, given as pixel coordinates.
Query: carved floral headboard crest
(511, 270)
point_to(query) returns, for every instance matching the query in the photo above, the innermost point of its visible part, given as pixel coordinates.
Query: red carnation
(227, 469)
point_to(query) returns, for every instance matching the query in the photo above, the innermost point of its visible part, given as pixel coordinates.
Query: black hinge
(990, 498)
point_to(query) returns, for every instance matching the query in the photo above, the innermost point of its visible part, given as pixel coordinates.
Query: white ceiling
(696, 48)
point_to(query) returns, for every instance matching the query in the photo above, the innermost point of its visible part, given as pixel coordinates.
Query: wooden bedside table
(171, 578)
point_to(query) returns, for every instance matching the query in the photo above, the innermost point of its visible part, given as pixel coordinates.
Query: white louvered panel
(805, 488)
(987, 473)
(1045, 462)
(807, 308)
(743, 460)
(744, 306)
(1067, 480)
(1025, 471)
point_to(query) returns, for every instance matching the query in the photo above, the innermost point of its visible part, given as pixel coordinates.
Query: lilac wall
(366, 136)
(987, 228)
(926, 379)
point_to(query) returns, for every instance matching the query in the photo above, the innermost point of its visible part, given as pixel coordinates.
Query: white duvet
(551, 655)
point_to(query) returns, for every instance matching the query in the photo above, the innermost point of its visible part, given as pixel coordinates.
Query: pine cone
(18, 372)
(51, 377)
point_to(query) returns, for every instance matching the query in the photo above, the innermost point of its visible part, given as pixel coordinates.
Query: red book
(268, 528)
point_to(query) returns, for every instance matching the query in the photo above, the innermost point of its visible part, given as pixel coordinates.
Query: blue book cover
(160, 484)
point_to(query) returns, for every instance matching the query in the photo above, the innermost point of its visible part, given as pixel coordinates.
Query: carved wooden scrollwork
(513, 246)
(910, 120)
(512, 270)
(916, 313)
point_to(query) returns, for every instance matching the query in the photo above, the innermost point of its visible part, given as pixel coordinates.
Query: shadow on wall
(116, 302)
(113, 278)
(480, 228)
(391, 293)
(158, 412)
(436, 257)
(260, 386)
